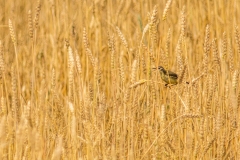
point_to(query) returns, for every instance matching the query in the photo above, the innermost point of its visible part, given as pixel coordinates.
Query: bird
(168, 76)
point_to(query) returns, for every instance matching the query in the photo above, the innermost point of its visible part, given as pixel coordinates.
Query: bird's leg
(167, 85)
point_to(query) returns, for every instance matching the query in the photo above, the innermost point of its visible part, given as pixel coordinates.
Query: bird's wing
(172, 74)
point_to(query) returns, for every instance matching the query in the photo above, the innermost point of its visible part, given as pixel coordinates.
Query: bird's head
(161, 68)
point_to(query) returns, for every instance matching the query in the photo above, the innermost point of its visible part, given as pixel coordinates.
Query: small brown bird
(168, 76)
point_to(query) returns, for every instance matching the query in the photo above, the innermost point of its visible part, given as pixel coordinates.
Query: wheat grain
(167, 47)
(206, 50)
(180, 62)
(121, 68)
(165, 11)
(140, 82)
(123, 39)
(237, 38)
(183, 23)
(216, 60)
(133, 73)
(36, 18)
(2, 63)
(15, 109)
(224, 46)
(78, 64)
(231, 60)
(235, 78)
(153, 25)
(12, 34)
(30, 24)
(85, 39)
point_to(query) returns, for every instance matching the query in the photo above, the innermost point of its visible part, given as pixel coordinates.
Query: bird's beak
(154, 68)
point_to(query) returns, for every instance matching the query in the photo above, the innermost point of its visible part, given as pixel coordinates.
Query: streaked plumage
(168, 76)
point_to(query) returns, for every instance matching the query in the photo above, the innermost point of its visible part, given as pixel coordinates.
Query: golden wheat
(77, 80)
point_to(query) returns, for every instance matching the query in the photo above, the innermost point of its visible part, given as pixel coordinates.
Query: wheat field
(77, 79)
